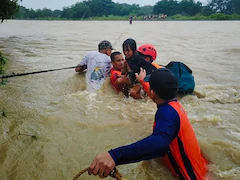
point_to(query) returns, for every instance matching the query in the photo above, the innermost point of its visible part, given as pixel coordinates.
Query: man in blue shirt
(173, 137)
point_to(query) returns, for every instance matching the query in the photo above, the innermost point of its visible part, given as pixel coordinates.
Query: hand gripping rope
(114, 174)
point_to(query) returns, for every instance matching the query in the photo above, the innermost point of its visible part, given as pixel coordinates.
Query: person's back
(173, 138)
(98, 68)
(97, 64)
(184, 157)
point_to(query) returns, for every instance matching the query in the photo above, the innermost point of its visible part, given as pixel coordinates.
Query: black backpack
(184, 75)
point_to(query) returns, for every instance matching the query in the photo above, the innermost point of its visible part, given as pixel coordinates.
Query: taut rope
(35, 72)
(119, 37)
(114, 174)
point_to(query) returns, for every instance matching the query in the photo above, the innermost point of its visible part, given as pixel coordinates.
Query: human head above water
(164, 83)
(148, 51)
(105, 47)
(114, 54)
(117, 60)
(129, 47)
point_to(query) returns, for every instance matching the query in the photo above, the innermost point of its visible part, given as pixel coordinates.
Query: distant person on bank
(173, 140)
(97, 65)
(130, 19)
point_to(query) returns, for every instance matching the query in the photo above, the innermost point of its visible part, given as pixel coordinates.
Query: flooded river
(51, 127)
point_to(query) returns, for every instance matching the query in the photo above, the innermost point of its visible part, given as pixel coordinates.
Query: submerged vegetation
(3, 113)
(3, 61)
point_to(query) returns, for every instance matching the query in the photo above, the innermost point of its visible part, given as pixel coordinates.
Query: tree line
(103, 8)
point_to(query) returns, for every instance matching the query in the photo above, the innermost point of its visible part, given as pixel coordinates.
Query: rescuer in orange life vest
(173, 139)
(116, 77)
(149, 53)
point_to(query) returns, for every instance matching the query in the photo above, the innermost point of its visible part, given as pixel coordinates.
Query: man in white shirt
(97, 64)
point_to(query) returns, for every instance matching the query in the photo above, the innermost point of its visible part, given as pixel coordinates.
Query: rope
(35, 72)
(114, 174)
(80, 173)
(119, 37)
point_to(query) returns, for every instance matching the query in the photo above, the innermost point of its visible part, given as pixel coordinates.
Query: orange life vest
(156, 65)
(184, 157)
(146, 86)
(114, 74)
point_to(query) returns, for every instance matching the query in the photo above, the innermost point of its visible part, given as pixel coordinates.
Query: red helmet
(148, 50)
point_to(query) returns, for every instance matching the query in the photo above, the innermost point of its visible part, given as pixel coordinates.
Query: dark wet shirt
(136, 62)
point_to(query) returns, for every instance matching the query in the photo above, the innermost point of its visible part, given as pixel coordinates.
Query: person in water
(97, 65)
(130, 19)
(173, 140)
(149, 53)
(133, 60)
(133, 64)
(116, 76)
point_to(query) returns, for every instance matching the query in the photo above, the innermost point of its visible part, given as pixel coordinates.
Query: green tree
(233, 6)
(31, 14)
(43, 13)
(190, 8)
(207, 10)
(8, 8)
(225, 6)
(100, 7)
(146, 10)
(57, 13)
(136, 10)
(21, 14)
(67, 13)
(169, 7)
(122, 9)
(80, 10)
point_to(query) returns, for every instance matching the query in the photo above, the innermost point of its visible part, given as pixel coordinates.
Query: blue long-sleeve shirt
(167, 125)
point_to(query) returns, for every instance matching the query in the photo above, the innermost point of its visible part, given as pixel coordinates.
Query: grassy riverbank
(212, 17)
(216, 16)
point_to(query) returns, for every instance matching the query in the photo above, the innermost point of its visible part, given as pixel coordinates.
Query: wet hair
(130, 43)
(114, 54)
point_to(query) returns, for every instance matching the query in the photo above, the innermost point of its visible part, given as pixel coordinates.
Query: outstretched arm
(80, 68)
(156, 145)
(83, 64)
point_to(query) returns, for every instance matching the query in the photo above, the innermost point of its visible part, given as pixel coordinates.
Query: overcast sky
(59, 4)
